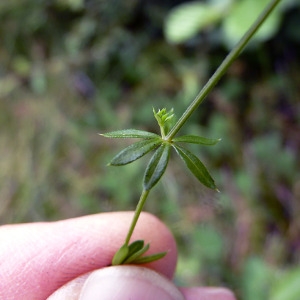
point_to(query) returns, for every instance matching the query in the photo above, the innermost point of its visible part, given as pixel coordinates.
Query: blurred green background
(70, 69)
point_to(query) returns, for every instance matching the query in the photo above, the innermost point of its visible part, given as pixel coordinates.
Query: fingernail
(128, 282)
(208, 293)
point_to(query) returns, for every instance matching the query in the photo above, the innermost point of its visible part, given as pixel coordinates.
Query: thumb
(119, 282)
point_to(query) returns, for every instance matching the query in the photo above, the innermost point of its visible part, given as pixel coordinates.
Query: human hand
(37, 259)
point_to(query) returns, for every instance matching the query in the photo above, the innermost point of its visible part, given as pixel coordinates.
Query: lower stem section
(137, 213)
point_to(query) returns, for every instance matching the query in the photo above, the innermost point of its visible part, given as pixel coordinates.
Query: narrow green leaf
(150, 258)
(136, 255)
(194, 139)
(135, 246)
(120, 255)
(156, 166)
(130, 133)
(135, 151)
(196, 167)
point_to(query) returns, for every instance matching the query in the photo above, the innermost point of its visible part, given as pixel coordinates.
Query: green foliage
(188, 19)
(51, 163)
(133, 254)
(135, 151)
(196, 167)
(160, 159)
(194, 139)
(242, 15)
(157, 166)
(256, 279)
(261, 281)
(130, 133)
(287, 285)
(154, 171)
(164, 119)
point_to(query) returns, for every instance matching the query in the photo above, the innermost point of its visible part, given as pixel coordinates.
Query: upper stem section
(222, 69)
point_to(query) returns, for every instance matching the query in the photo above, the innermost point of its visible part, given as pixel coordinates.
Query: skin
(36, 259)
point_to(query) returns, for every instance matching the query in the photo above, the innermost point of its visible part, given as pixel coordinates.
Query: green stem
(222, 68)
(137, 213)
(201, 96)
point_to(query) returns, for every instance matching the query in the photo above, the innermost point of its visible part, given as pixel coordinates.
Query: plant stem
(222, 68)
(137, 213)
(201, 96)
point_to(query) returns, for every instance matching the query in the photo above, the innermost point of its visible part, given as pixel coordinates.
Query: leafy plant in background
(161, 145)
(235, 16)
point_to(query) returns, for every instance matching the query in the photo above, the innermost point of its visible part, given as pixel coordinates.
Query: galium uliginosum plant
(162, 144)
